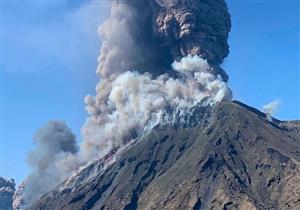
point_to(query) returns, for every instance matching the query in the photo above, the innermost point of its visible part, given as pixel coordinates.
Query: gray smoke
(155, 55)
(147, 36)
(52, 160)
(144, 42)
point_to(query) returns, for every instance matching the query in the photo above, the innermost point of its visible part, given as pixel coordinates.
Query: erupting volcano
(163, 131)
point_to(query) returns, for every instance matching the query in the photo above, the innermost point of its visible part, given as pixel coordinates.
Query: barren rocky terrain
(227, 157)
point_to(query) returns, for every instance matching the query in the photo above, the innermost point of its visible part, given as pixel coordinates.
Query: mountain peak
(237, 159)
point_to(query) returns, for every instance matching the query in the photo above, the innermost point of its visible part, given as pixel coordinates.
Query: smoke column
(148, 36)
(51, 161)
(155, 55)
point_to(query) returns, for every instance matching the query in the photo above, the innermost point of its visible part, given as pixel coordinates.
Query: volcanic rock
(7, 189)
(224, 157)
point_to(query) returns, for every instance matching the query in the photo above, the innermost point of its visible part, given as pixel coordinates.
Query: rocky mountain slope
(7, 189)
(226, 157)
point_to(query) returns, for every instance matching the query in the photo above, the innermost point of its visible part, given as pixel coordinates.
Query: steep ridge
(226, 157)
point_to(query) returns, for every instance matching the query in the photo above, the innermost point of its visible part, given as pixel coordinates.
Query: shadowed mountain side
(7, 189)
(236, 159)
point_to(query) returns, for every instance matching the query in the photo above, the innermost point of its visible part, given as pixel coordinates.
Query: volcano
(228, 156)
(162, 131)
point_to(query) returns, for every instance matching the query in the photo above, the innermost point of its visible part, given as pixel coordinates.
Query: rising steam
(271, 108)
(155, 56)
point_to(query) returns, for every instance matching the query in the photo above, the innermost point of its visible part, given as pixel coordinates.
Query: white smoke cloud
(124, 106)
(271, 108)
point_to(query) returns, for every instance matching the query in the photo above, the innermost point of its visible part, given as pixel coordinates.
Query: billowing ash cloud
(156, 56)
(136, 101)
(270, 109)
(149, 35)
(52, 160)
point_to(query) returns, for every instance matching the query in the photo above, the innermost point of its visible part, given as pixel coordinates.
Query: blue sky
(49, 57)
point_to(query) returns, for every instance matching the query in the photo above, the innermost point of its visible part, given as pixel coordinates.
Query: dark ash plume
(149, 35)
